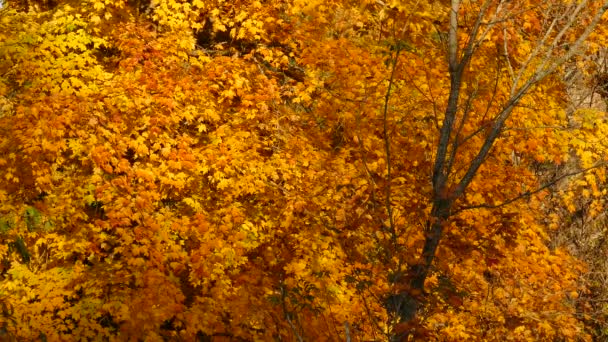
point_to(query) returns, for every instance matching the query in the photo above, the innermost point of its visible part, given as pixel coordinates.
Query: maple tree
(294, 170)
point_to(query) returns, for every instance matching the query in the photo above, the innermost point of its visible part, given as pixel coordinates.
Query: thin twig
(288, 315)
(387, 147)
(529, 193)
(347, 331)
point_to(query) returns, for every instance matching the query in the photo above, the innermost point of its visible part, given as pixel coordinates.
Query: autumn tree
(554, 36)
(502, 60)
(290, 170)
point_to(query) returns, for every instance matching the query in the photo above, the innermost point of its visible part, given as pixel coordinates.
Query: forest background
(348, 170)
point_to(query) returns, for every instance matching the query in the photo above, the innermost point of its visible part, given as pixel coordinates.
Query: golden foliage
(189, 169)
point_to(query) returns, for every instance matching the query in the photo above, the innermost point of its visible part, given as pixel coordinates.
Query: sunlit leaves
(218, 168)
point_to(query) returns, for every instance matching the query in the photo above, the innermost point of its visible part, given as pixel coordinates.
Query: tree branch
(529, 193)
(387, 148)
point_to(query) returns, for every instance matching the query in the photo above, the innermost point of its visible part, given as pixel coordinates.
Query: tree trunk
(406, 304)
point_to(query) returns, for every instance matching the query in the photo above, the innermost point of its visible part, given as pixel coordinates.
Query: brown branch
(529, 193)
(387, 148)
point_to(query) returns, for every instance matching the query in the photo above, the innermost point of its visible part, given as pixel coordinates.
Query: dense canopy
(343, 170)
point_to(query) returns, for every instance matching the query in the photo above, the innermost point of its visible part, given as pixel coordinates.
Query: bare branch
(514, 100)
(560, 128)
(475, 42)
(453, 36)
(573, 16)
(575, 47)
(506, 53)
(387, 148)
(529, 193)
(537, 50)
(489, 142)
(347, 331)
(455, 70)
(443, 163)
(456, 141)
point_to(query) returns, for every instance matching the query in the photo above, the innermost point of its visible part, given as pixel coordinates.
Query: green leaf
(6, 225)
(21, 248)
(33, 218)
